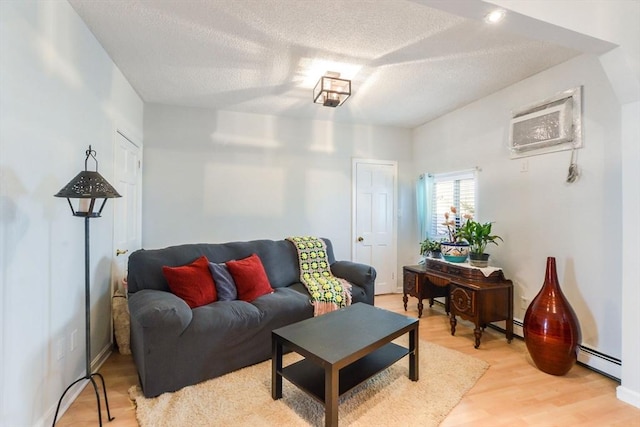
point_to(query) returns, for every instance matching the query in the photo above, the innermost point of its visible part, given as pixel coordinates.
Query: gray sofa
(175, 346)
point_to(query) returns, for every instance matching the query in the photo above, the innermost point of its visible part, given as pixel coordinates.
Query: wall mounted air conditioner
(549, 125)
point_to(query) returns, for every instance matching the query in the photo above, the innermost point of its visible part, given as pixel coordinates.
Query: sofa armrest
(360, 275)
(151, 308)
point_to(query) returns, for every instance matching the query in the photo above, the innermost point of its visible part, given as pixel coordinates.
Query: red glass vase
(551, 329)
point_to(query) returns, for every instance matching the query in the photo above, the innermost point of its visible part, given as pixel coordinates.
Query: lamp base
(95, 388)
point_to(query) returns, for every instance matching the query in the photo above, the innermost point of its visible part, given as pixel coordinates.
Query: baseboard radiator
(589, 358)
(592, 359)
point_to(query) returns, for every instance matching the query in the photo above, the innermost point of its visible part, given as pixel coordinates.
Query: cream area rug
(243, 398)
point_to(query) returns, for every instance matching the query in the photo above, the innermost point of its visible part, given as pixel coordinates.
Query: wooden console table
(471, 295)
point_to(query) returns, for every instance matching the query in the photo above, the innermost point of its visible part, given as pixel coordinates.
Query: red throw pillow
(250, 277)
(192, 282)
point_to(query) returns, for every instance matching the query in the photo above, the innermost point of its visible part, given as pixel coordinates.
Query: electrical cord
(574, 172)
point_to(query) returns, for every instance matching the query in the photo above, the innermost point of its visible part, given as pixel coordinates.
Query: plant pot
(455, 252)
(435, 254)
(478, 260)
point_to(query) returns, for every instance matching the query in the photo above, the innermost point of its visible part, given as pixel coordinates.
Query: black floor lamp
(88, 186)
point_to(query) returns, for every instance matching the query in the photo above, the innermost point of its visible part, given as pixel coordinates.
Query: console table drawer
(464, 300)
(411, 284)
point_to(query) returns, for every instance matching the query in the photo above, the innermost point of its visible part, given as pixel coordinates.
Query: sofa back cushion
(278, 257)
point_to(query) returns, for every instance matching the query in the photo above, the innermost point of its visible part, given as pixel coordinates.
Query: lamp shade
(88, 185)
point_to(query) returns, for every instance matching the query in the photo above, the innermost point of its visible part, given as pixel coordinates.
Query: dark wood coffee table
(341, 349)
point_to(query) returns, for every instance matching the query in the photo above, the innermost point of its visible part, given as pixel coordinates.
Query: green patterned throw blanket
(328, 293)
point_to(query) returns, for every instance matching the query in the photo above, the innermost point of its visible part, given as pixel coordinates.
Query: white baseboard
(74, 392)
(628, 396)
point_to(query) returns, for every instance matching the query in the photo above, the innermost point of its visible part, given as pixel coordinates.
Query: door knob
(121, 252)
(360, 239)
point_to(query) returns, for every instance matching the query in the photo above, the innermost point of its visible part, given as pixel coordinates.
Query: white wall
(59, 92)
(536, 212)
(629, 390)
(216, 176)
(613, 21)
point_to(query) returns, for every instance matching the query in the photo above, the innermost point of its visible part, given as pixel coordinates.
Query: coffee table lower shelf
(310, 377)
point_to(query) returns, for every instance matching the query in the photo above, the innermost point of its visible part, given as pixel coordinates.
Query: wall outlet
(524, 303)
(524, 166)
(73, 340)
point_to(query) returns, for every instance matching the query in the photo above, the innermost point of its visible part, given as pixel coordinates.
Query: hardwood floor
(513, 392)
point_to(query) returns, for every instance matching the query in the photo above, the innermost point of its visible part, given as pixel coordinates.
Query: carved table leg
(420, 307)
(509, 329)
(477, 332)
(452, 321)
(405, 299)
(430, 302)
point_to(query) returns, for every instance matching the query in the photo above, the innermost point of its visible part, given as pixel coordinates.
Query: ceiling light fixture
(495, 16)
(331, 91)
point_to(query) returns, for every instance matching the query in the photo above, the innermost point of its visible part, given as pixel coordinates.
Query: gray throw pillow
(225, 286)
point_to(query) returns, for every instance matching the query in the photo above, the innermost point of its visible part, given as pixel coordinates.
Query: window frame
(434, 217)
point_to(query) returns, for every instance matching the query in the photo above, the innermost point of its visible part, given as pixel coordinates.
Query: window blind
(452, 189)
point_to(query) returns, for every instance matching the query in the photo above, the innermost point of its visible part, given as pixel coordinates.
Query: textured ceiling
(409, 60)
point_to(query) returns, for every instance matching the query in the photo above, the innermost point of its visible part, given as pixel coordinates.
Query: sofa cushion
(250, 278)
(283, 307)
(225, 286)
(192, 282)
(279, 259)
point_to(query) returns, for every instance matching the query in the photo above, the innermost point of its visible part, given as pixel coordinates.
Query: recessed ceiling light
(495, 16)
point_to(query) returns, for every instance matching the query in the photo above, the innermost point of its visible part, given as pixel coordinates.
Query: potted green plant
(479, 236)
(430, 248)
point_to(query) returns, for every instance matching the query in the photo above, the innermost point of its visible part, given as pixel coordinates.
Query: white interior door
(374, 239)
(127, 232)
